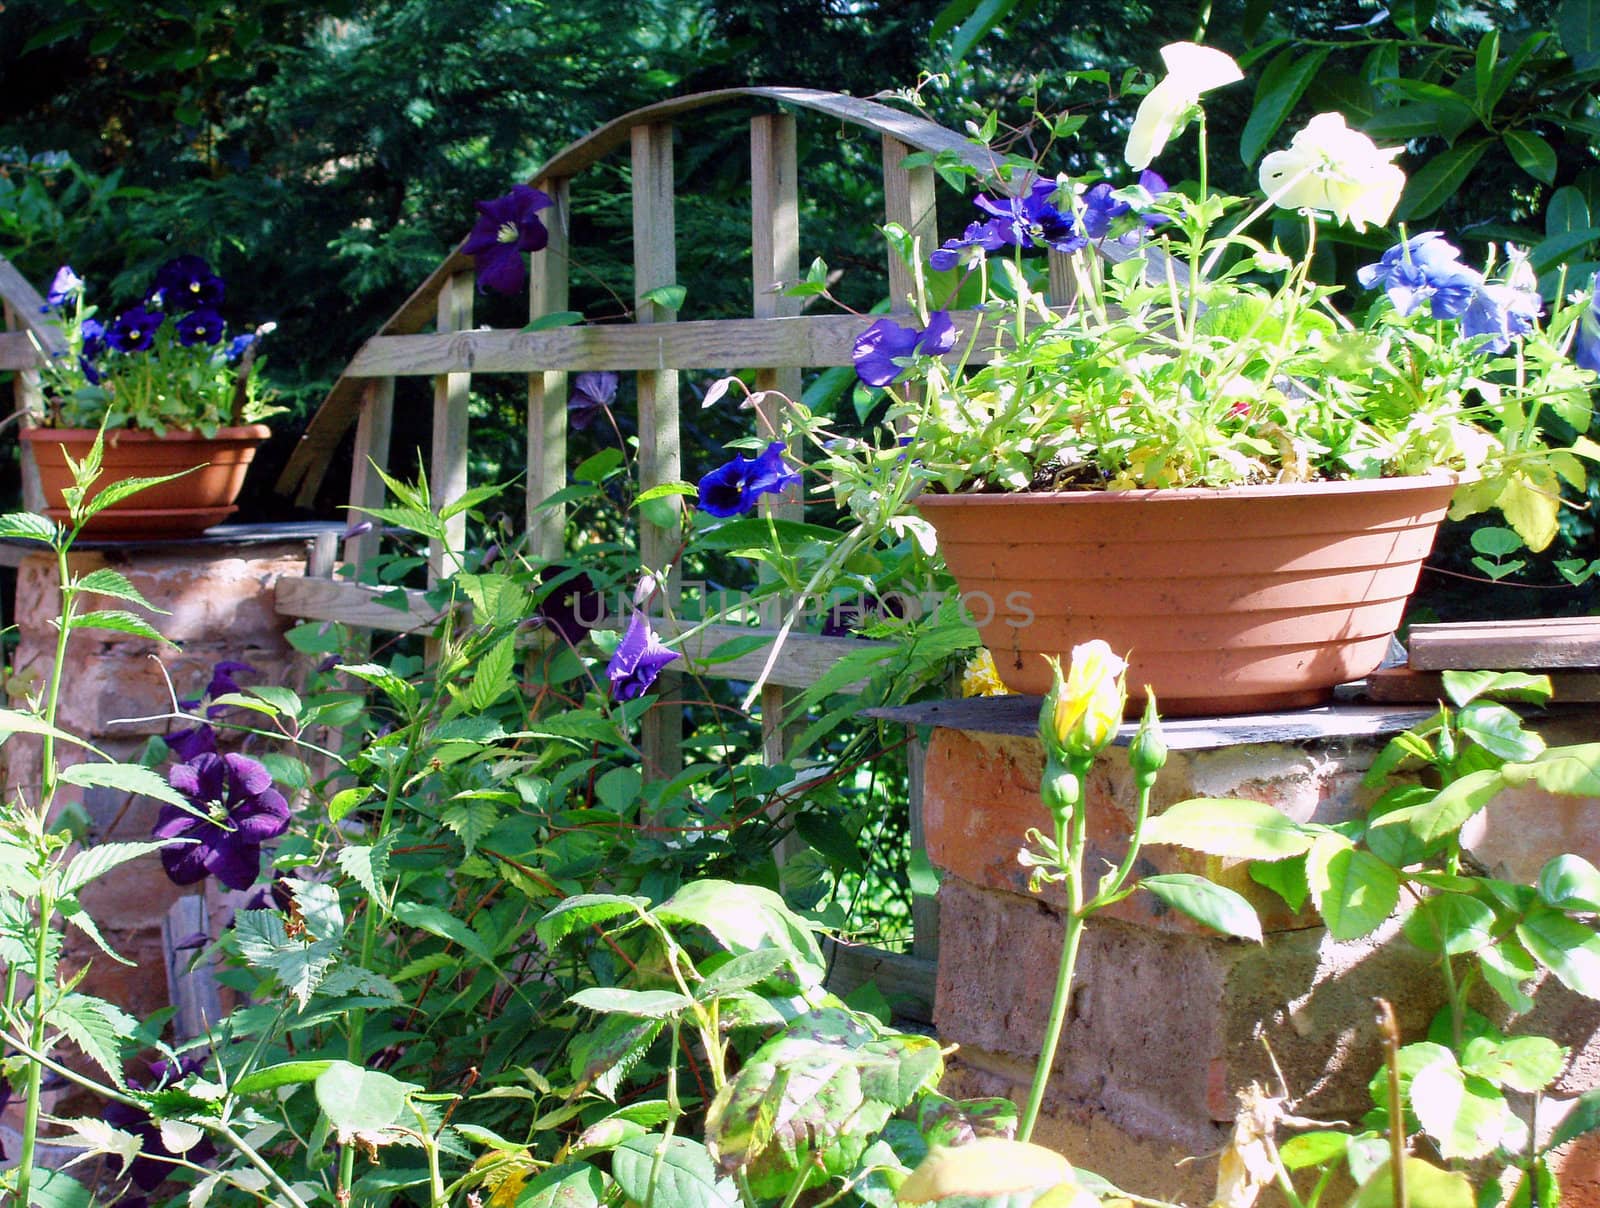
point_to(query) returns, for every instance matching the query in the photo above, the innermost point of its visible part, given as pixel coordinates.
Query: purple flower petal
(638, 660)
(877, 349)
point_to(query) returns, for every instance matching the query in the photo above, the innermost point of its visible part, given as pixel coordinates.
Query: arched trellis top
(608, 346)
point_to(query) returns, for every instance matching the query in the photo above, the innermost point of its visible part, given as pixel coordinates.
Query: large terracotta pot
(1225, 601)
(184, 507)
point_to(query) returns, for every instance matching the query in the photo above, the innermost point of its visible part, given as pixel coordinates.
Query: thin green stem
(260, 1163)
(30, 1120)
(1073, 922)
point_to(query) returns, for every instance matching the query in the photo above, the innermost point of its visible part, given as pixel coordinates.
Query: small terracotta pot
(1224, 601)
(213, 470)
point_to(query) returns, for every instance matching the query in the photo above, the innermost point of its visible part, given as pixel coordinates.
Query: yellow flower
(981, 677)
(1328, 166)
(1081, 713)
(1191, 70)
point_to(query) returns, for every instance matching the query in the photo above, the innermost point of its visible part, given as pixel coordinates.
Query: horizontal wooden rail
(800, 341)
(802, 661)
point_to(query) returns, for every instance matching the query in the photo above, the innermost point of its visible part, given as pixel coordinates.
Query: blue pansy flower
(506, 227)
(65, 287)
(1424, 268)
(1500, 312)
(637, 661)
(734, 488)
(240, 344)
(94, 345)
(134, 330)
(187, 283)
(1032, 221)
(878, 350)
(1586, 339)
(202, 326)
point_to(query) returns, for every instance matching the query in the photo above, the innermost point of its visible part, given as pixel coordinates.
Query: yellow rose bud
(1082, 712)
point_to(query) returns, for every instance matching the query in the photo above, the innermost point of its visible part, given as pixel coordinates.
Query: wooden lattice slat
(373, 431)
(447, 462)
(548, 290)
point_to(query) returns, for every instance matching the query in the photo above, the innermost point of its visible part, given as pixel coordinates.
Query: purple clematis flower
(65, 287)
(878, 348)
(734, 488)
(1101, 208)
(1500, 312)
(979, 236)
(189, 744)
(507, 227)
(591, 394)
(1424, 268)
(574, 607)
(241, 811)
(639, 658)
(200, 327)
(134, 330)
(1032, 221)
(1586, 339)
(187, 283)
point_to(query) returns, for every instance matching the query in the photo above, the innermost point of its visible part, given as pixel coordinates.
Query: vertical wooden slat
(775, 244)
(373, 429)
(1063, 282)
(924, 908)
(447, 464)
(547, 392)
(30, 402)
(908, 199)
(655, 263)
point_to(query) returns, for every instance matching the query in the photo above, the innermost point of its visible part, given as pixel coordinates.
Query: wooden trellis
(777, 342)
(25, 340)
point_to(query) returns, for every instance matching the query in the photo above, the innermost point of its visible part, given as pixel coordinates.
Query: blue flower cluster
(1427, 269)
(1037, 220)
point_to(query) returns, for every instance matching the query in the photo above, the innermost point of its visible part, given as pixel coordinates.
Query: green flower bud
(1060, 789)
(1147, 753)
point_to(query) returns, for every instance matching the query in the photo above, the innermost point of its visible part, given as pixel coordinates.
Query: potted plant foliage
(173, 392)
(1199, 452)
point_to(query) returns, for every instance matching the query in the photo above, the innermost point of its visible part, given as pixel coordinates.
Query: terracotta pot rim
(143, 435)
(1268, 490)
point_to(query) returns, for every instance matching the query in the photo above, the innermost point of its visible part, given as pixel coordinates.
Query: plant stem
(256, 1160)
(30, 1120)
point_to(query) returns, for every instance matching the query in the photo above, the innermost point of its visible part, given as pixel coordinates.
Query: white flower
(1328, 166)
(1191, 70)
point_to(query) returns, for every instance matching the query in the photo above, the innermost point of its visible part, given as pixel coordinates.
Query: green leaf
(116, 492)
(1499, 731)
(741, 973)
(1568, 211)
(1450, 807)
(1451, 921)
(367, 866)
(1206, 902)
(128, 778)
(1249, 830)
(1426, 1187)
(1464, 687)
(666, 489)
(583, 911)
(685, 1177)
(1354, 890)
(1286, 878)
(1530, 1063)
(1584, 1117)
(571, 1185)
(494, 676)
(118, 620)
(1533, 155)
(603, 1056)
(641, 1004)
(445, 925)
(396, 689)
(743, 918)
(98, 860)
(27, 526)
(471, 818)
(1466, 1116)
(346, 800)
(286, 1073)
(1507, 968)
(668, 297)
(556, 318)
(300, 967)
(96, 1027)
(1574, 771)
(984, 16)
(356, 1100)
(1570, 882)
(1312, 1149)
(107, 582)
(1566, 947)
(1413, 17)
(1578, 26)
(1283, 83)
(1439, 179)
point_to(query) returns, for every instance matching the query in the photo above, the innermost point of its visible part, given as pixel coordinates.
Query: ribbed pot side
(1224, 601)
(213, 470)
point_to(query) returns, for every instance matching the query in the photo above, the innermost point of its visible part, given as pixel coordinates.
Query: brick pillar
(219, 602)
(1168, 1018)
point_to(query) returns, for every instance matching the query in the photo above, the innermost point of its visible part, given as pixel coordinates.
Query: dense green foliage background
(326, 157)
